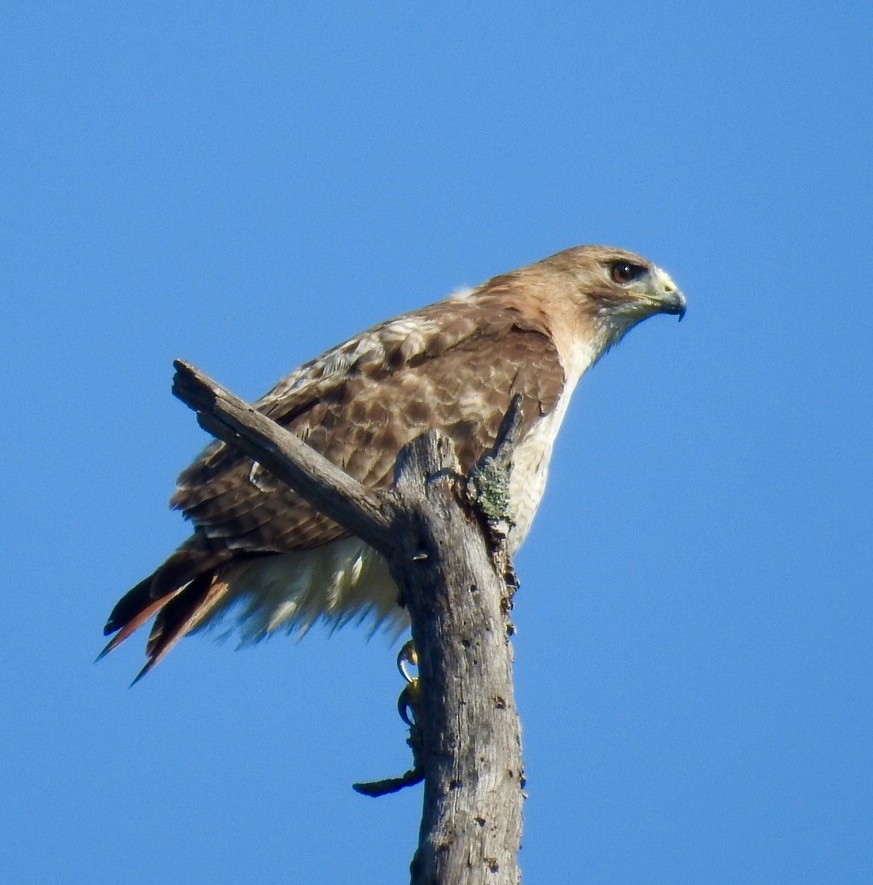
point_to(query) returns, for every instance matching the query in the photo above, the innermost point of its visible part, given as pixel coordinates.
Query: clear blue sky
(245, 188)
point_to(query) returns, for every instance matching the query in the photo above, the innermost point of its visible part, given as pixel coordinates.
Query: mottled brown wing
(453, 366)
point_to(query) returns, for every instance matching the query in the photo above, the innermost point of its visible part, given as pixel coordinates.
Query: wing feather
(361, 402)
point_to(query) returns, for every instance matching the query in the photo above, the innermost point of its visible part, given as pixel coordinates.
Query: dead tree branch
(447, 556)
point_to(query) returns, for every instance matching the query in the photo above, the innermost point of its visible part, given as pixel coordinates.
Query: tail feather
(135, 622)
(181, 593)
(129, 606)
(182, 613)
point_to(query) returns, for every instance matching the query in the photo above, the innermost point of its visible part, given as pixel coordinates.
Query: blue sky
(245, 188)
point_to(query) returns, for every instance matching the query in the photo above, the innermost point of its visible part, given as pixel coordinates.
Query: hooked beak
(674, 303)
(668, 295)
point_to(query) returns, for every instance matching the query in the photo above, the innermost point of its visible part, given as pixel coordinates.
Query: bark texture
(459, 604)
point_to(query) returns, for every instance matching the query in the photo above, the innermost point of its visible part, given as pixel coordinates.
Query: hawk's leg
(407, 706)
(409, 697)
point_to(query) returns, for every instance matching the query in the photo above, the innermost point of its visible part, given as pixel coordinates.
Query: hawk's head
(618, 286)
(593, 295)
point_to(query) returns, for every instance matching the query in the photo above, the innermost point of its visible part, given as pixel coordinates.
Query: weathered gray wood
(457, 583)
(470, 731)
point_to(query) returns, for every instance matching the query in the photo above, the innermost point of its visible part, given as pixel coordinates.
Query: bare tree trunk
(471, 738)
(457, 583)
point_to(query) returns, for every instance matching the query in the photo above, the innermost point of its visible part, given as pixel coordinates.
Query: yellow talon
(408, 700)
(411, 694)
(407, 655)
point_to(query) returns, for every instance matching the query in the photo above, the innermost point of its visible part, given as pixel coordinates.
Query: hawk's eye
(623, 271)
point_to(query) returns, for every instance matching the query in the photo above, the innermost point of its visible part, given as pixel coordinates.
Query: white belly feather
(338, 582)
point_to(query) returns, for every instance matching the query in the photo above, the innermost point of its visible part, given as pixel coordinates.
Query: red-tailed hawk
(262, 550)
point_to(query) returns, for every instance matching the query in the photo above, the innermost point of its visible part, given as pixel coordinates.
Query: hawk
(262, 551)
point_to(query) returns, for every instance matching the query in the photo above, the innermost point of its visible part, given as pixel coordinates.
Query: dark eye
(623, 271)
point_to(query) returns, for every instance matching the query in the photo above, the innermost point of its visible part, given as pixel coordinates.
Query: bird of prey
(261, 552)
